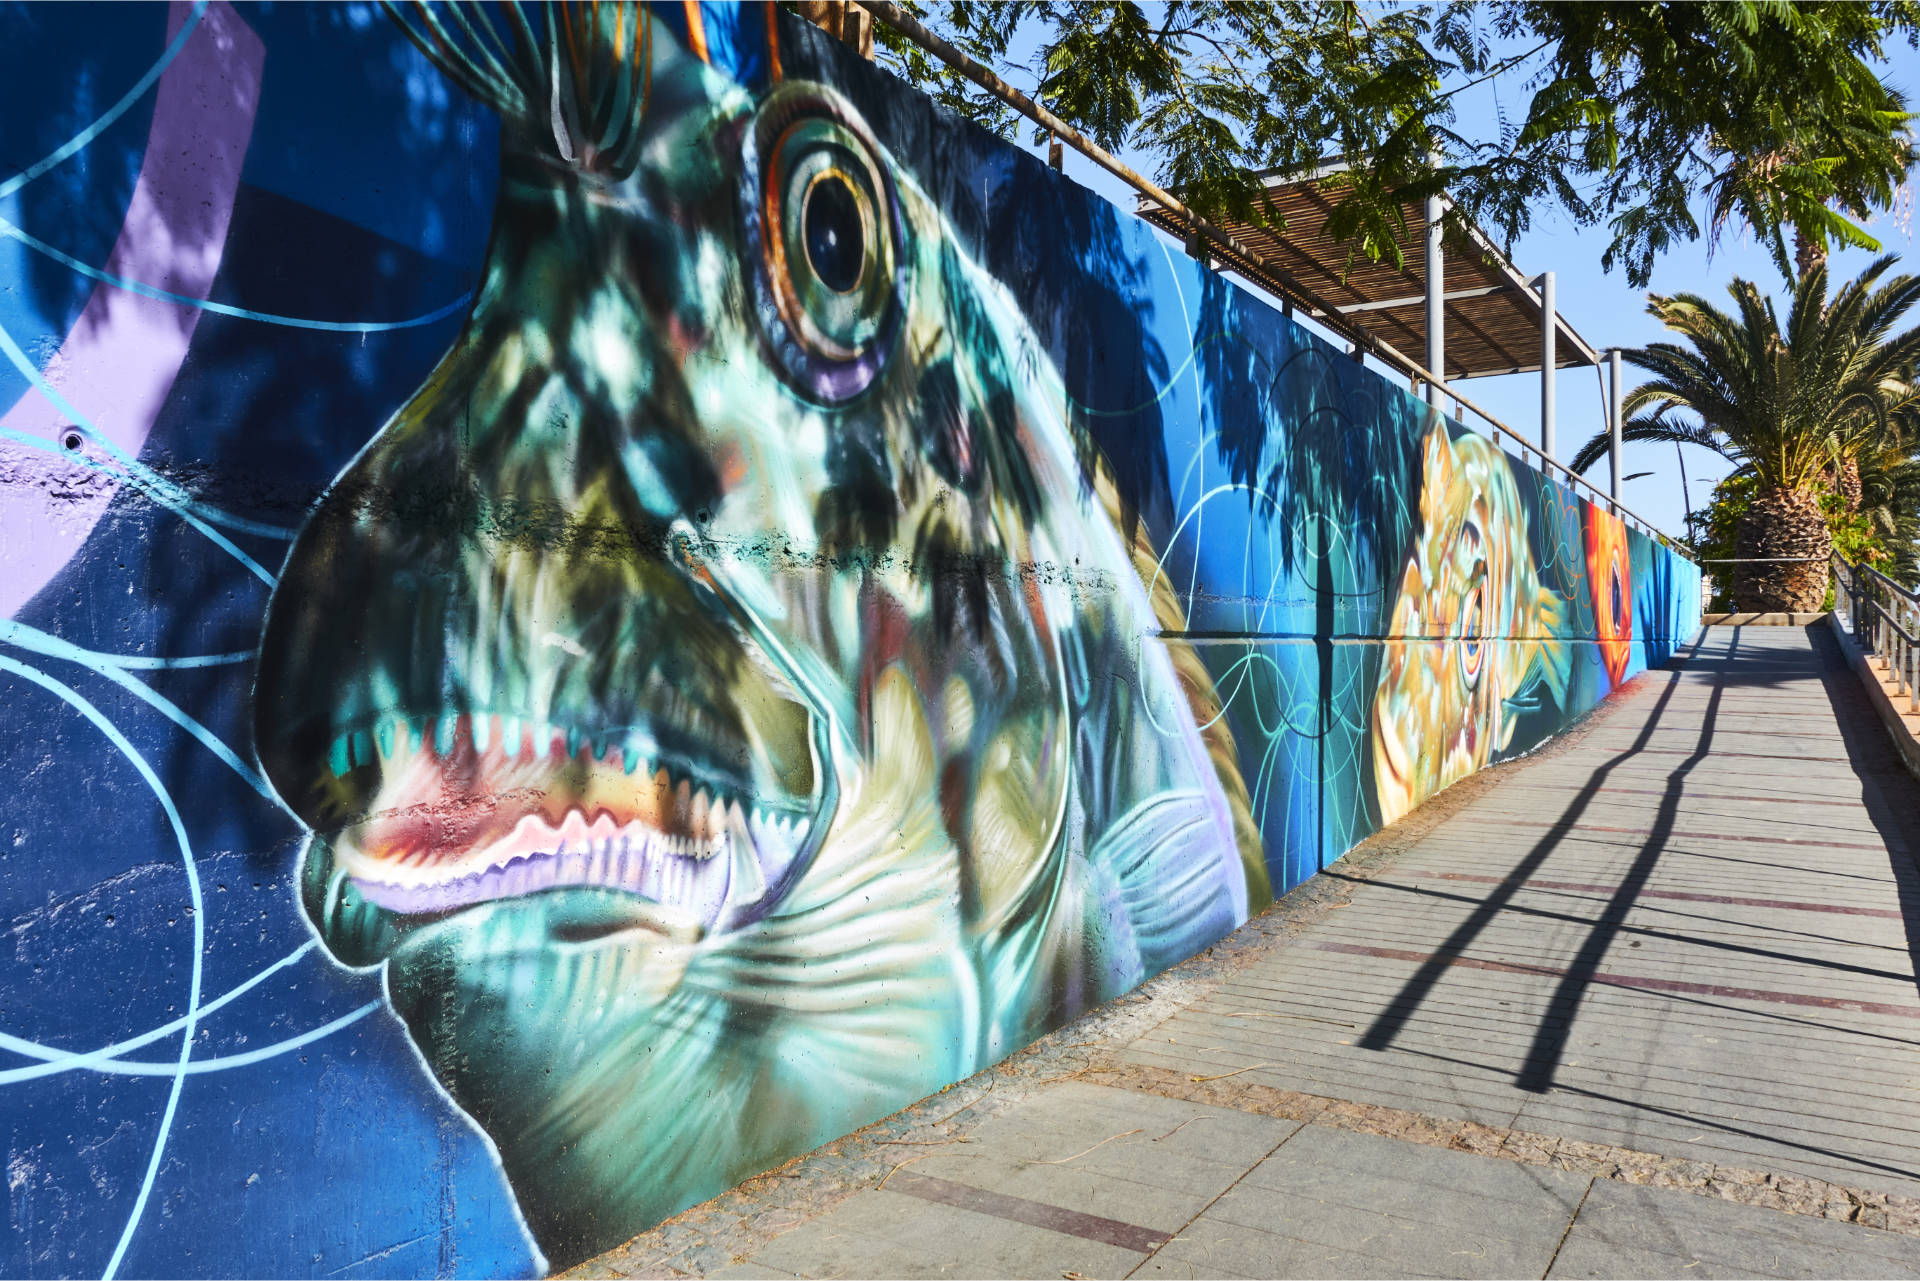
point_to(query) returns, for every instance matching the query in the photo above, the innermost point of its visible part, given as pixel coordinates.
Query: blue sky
(1601, 306)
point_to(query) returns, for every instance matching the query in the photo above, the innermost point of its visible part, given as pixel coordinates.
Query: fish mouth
(473, 809)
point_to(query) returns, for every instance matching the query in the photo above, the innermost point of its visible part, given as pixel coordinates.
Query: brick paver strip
(1889, 914)
(1520, 785)
(1039, 1214)
(1503, 820)
(1788, 1193)
(1638, 981)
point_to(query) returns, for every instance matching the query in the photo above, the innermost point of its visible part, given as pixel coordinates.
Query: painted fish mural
(718, 696)
(603, 594)
(1610, 578)
(1471, 642)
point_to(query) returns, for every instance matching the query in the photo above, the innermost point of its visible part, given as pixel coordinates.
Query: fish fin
(1196, 683)
(1164, 858)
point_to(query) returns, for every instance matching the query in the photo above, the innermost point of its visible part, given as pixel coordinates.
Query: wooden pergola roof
(1493, 315)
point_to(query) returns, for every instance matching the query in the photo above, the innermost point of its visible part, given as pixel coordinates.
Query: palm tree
(1787, 404)
(1889, 484)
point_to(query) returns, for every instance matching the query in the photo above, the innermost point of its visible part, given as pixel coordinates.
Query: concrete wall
(580, 623)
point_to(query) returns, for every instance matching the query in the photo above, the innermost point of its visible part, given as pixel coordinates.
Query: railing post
(1549, 327)
(1913, 659)
(1436, 283)
(1613, 425)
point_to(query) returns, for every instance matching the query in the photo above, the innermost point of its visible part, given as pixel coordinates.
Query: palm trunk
(1846, 483)
(1783, 544)
(1806, 254)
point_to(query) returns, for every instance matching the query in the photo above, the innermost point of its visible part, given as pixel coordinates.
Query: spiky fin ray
(578, 87)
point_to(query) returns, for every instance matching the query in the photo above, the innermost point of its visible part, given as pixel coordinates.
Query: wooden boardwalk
(1692, 931)
(1642, 1004)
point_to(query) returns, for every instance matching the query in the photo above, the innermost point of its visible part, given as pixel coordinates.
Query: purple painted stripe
(1090, 1227)
(1632, 981)
(1684, 896)
(119, 360)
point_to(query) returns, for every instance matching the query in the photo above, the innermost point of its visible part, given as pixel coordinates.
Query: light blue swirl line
(226, 1063)
(80, 141)
(159, 489)
(38, 642)
(163, 491)
(54, 1061)
(179, 1069)
(223, 309)
(148, 662)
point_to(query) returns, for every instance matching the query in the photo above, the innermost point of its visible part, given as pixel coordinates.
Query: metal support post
(1613, 423)
(1549, 326)
(1436, 298)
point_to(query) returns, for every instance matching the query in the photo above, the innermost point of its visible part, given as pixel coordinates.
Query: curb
(1901, 726)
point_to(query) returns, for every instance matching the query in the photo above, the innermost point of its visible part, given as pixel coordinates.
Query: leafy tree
(1770, 112)
(1791, 405)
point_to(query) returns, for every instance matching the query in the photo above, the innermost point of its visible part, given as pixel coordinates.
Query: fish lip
(786, 828)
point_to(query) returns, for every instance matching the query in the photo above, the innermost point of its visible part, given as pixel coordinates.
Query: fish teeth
(746, 879)
(510, 737)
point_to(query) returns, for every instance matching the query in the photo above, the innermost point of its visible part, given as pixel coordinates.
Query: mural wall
(596, 597)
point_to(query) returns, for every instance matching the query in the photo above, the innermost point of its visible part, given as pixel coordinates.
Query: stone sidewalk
(1642, 1004)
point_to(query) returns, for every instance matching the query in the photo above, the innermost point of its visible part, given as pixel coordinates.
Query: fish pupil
(835, 246)
(1616, 602)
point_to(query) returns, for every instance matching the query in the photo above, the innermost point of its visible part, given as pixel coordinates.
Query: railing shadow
(1387, 1026)
(1536, 1075)
(1890, 794)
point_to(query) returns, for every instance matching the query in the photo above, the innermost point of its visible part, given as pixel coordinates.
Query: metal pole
(1549, 318)
(1613, 421)
(1436, 296)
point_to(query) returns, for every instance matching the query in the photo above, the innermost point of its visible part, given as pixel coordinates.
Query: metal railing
(1884, 618)
(907, 25)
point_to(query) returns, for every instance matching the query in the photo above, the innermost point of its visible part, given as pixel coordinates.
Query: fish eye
(1472, 644)
(1617, 602)
(835, 236)
(823, 221)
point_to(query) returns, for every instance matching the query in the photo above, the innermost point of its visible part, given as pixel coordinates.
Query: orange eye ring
(824, 226)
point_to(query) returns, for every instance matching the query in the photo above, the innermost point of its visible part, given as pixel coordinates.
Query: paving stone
(886, 1234)
(1168, 1204)
(1585, 1257)
(1739, 1237)
(1213, 1247)
(1361, 1170)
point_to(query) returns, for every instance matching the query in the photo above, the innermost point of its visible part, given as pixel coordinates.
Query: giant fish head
(1471, 637)
(713, 695)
